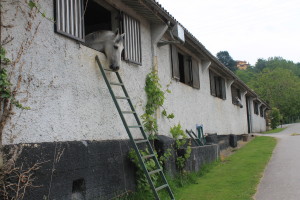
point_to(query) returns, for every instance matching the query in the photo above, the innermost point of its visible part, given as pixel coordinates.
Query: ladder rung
(139, 126)
(155, 171)
(148, 156)
(161, 187)
(140, 141)
(128, 112)
(114, 83)
(110, 70)
(117, 97)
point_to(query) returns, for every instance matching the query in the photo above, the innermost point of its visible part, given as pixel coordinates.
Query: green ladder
(142, 158)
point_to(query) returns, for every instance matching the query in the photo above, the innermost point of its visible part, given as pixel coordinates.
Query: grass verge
(236, 178)
(295, 134)
(276, 130)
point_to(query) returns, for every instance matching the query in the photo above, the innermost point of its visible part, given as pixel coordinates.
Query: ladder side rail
(127, 129)
(132, 107)
(146, 137)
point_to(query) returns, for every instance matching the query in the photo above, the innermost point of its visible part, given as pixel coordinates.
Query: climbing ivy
(142, 182)
(155, 100)
(33, 4)
(5, 91)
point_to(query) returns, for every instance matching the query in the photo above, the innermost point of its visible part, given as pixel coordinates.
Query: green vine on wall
(5, 85)
(155, 100)
(33, 4)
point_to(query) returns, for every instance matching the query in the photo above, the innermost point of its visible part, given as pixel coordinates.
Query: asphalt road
(281, 179)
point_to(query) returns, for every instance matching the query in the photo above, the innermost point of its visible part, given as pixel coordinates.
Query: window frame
(128, 41)
(62, 26)
(235, 92)
(58, 15)
(190, 68)
(255, 107)
(217, 85)
(261, 111)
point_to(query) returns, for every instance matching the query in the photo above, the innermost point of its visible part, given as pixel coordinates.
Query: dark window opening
(217, 86)
(181, 67)
(255, 107)
(236, 95)
(261, 111)
(184, 68)
(96, 18)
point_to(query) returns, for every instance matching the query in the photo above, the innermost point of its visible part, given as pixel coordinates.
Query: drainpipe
(157, 31)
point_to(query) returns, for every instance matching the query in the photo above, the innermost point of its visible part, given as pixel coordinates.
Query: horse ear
(122, 36)
(117, 32)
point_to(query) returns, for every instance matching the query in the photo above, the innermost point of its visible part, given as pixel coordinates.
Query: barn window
(69, 18)
(261, 111)
(184, 68)
(77, 18)
(132, 45)
(255, 107)
(217, 85)
(235, 94)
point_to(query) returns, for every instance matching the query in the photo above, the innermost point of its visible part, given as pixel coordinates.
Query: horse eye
(116, 47)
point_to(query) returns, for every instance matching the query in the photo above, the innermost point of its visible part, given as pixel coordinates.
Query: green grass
(234, 179)
(276, 130)
(295, 134)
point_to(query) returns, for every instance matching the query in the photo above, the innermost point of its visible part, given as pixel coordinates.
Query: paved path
(281, 180)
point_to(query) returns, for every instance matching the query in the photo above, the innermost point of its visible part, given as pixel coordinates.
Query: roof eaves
(163, 12)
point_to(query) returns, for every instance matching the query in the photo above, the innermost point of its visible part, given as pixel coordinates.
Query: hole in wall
(78, 189)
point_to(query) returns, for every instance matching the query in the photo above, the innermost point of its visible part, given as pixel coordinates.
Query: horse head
(109, 43)
(113, 50)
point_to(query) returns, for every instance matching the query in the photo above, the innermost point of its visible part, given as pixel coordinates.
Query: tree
(281, 87)
(226, 59)
(260, 65)
(275, 118)
(246, 75)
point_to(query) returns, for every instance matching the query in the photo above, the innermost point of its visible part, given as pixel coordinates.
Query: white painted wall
(258, 122)
(192, 106)
(70, 101)
(62, 84)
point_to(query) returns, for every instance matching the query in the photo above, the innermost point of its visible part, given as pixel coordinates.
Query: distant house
(73, 124)
(242, 65)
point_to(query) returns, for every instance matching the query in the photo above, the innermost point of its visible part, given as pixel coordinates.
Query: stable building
(73, 127)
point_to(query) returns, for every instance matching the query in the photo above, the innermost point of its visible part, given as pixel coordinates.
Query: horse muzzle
(114, 67)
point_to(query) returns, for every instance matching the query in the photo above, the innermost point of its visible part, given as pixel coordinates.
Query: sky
(247, 29)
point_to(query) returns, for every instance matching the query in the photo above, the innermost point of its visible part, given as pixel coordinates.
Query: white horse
(109, 43)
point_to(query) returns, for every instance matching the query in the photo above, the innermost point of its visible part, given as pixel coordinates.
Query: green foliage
(155, 95)
(246, 75)
(226, 59)
(276, 130)
(33, 4)
(5, 91)
(155, 100)
(275, 118)
(180, 141)
(281, 88)
(276, 81)
(240, 173)
(3, 58)
(142, 182)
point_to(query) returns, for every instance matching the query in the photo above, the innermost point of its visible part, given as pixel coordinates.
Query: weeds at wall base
(179, 181)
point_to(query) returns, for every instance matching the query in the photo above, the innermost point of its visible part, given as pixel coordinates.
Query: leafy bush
(275, 118)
